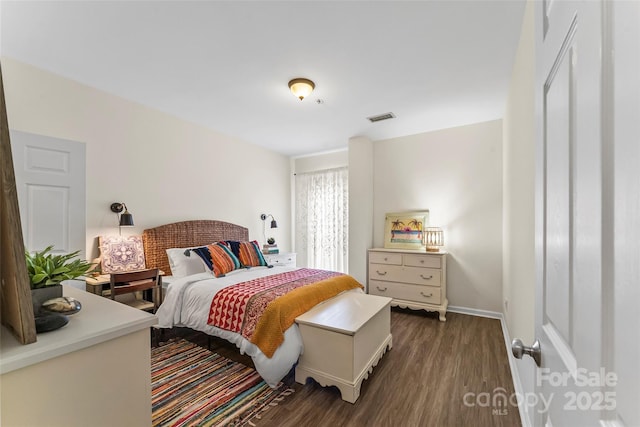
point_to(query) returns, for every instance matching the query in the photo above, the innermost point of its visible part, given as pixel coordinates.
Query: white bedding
(187, 301)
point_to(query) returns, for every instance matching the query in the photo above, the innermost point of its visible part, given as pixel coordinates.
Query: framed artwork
(405, 230)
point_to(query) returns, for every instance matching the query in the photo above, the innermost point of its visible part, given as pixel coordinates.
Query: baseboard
(475, 312)
(515, 375)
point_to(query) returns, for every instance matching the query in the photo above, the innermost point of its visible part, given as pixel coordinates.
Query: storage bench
(344, 338)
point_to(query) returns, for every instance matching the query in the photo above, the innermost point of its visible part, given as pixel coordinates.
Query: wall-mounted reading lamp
(126, 219)
(274, 224)
(264, 217)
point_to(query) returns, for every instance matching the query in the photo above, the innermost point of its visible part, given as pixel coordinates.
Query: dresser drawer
(419, 260)
(281, 260)
(385, 258)
(423, 294)
(395, 273)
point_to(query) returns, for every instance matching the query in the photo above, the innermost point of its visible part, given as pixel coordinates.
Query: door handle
(518, 349)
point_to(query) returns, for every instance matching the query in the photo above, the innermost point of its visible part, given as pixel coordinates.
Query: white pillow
(182, 265)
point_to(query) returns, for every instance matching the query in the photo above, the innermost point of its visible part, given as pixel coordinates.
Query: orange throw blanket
(282, 312)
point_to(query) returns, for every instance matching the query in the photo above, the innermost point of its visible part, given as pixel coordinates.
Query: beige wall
(165, 169)
(457, 175)
(519, 228)
(361, 199)
(320, 161)
(518, 213)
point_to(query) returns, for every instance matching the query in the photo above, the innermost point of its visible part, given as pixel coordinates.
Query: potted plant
(46, 272)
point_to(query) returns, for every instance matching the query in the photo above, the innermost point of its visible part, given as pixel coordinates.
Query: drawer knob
(381, 289)
(384, 273)
(386, 259)
(426, 296)
(427, 278)
(421, 261)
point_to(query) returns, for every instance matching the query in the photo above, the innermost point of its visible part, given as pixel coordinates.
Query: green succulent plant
(46, 269)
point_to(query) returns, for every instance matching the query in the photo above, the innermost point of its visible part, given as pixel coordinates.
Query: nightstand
(286, 259)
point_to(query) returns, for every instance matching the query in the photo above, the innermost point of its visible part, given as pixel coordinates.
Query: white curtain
(322, 219)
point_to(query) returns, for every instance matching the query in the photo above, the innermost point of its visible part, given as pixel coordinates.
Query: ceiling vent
(381, 117)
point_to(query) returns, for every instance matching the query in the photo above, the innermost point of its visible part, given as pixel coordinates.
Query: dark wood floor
(424, 380)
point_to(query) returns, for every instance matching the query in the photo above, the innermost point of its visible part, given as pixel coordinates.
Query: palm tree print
(397, 224)
(415, 224)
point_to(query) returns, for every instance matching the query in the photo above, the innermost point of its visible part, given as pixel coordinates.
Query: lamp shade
(301, 88)
(434, 238)
(264, 217)
(126, 219)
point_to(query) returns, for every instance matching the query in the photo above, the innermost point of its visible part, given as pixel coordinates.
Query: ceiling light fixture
(301, 88)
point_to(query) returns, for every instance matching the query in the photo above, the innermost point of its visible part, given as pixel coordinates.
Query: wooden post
(15, 295)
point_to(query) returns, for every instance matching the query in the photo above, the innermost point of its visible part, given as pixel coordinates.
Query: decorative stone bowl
(62, 305)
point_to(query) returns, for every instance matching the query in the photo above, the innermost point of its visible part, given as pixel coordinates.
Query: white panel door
(587, 213)
(622, 344)
(569, 304)
(50, 178)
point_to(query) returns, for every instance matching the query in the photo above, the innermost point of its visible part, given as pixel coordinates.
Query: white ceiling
(224, 64)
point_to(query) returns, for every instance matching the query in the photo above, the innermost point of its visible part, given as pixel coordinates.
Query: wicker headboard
(186, 234)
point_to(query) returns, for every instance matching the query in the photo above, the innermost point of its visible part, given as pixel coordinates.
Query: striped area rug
(191, 386)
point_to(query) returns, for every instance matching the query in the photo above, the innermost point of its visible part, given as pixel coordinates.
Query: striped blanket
(256, 310)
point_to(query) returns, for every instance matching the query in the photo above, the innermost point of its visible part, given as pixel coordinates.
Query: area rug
(191, 386)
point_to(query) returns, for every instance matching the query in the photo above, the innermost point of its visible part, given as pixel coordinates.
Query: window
(322, 219)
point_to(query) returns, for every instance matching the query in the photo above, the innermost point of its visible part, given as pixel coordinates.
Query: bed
(187, 301)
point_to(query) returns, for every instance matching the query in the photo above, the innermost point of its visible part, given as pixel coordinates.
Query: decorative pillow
(250, 254)
(218, 258)
(204, 255)
(234, 245)
(121, 253)
(182, 264)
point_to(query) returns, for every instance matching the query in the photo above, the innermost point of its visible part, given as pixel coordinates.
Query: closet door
(50, 178)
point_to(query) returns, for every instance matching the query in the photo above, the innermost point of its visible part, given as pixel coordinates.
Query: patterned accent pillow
(234, 245)
(218, 258)
(250, 254)
(121, 253)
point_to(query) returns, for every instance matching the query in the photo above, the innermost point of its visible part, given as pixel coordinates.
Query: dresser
(285, 259)
(78, 374)
(414, 279)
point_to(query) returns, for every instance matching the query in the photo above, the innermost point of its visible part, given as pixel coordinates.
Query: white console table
(93, 371)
